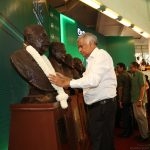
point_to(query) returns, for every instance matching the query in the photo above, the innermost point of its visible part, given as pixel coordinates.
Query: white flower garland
(47, 68)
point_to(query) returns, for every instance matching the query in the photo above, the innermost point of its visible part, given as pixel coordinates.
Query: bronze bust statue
(78, 66)
(57, 53)
(41, 90)
(62, 62)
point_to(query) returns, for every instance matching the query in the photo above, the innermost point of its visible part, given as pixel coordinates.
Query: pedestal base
(37, 127)
(49, 127)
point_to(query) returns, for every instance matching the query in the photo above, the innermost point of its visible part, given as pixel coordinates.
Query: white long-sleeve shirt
(99, 79)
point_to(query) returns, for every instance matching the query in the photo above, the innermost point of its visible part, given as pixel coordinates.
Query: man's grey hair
(90, 38)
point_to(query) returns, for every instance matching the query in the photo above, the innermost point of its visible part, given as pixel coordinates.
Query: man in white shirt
(99, 89)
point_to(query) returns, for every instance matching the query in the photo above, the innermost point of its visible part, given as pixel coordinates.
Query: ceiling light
(125, 22)
(137, 29)
(92, 3)
(146, 35)
(110, 13)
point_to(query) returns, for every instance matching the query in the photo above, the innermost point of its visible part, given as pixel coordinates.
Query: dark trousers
(127, 118)
(101, 124)
(118, 116)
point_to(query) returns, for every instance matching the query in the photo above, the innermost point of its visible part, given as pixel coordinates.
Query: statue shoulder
(27, 67)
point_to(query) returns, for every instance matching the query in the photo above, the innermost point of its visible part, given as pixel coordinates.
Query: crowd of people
(133, 100)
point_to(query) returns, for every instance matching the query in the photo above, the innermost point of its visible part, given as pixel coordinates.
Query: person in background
(139, 99)
(118, 110)
(99, 89)
(148, 98)
(124, 99)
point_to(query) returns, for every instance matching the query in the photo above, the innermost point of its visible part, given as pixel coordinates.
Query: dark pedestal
(37, 127)
(84, 138)
(48, 127)
(79, 117)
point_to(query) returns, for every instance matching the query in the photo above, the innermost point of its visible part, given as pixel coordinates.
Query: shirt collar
(93, 54)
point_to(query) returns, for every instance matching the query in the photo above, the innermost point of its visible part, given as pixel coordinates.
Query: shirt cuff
(73, 84)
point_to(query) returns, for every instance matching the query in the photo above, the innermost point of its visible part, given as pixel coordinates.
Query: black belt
(101, 102)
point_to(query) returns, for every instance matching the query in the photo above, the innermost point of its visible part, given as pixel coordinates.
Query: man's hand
(59, 80)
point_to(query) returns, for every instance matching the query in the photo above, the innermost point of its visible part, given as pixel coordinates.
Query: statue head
(69, 60)
(78, 65)
(36, 36)
(57, 50)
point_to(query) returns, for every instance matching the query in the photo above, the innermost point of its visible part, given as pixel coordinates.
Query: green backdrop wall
(66, 30)
(100, 38)
(14, 16)
(54, 25)
(121, 49)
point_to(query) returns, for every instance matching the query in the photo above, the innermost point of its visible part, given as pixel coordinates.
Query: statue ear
(29, 39)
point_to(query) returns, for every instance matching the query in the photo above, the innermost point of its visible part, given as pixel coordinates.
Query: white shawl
(47, 68)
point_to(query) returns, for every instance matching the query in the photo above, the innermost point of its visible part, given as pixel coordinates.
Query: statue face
(57, 50)
(78, 64)
(60, 55)
(69, 60)
(37, 37)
